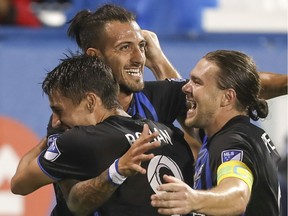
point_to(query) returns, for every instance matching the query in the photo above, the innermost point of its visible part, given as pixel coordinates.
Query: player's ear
(93, 52)
(92, 101)
(228, 97)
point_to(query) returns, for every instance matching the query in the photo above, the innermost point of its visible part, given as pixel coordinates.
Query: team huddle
(112, 147)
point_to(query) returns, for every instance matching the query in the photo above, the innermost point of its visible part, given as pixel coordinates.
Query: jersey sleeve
(167, 98)
(231, 147)
(66, 156)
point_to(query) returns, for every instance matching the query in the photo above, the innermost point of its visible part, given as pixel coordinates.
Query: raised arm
(273, 85)
(156, 60)
(29, 177)
(86, 196)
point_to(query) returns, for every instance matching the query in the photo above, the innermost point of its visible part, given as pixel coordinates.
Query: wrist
(114, 175)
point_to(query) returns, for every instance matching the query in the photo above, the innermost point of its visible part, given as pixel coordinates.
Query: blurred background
(33, 39)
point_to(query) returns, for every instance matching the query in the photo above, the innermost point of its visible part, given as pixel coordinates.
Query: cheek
(75, 116)
(114, 61)
(117, 69)
(69, 120)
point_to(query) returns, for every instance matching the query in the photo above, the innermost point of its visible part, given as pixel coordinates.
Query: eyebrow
(55, 108)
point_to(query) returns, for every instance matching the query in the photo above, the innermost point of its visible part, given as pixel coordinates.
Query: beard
(131, 89)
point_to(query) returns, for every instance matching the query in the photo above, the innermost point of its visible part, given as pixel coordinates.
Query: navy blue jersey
(161, 101)
(85, 152)
(241, 140)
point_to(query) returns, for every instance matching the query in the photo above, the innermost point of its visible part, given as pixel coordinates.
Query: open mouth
(134, 72)
(190, 104)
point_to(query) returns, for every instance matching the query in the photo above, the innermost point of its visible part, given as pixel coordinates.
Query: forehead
(204, 68)
(57, 100)
(117, 32)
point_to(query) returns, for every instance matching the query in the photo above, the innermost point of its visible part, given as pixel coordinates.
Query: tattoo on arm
(86, 196)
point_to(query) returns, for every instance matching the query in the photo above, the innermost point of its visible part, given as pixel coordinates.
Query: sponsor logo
(159, 166)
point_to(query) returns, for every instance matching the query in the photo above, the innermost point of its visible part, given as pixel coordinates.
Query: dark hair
(86, 27)
(239, 72)
(77, 75)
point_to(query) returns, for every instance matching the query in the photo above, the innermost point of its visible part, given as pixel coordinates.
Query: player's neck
(101, 116)
(125, 100)
(218, 121)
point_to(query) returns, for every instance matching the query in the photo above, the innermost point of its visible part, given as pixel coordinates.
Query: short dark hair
(77, 75)
(239, 72)
(86, 27)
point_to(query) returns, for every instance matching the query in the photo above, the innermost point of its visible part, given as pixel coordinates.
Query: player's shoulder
(165, 81)
(181, 80)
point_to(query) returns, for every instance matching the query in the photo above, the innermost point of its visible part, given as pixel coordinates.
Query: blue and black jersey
(84, 152)
(160, 101)
(241, 140)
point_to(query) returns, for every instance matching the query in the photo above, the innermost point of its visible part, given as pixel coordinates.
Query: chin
(136, 88)
(191, 122)
(188, 123)
(131, 89)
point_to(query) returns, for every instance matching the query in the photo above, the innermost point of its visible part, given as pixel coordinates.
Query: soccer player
(236, 171)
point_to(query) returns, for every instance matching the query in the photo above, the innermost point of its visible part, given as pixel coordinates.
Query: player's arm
(156, 60)
(273, 84)
(29, 177)
(85, 197)
(229, 197)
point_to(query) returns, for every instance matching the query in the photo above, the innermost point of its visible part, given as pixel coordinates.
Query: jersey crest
(52, 138)
(52, 153)
(231, 154)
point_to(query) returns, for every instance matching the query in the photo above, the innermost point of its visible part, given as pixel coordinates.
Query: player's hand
(130, 162)
(156, 60)
(175, 197)
(153, 49)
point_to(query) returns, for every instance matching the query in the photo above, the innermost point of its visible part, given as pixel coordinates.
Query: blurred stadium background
(187, 29)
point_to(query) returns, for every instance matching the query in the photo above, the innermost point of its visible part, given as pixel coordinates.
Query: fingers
(131, 161)
(171, 179)
(172, 184)
(145, 136)
(152, 41)
(138, 150)
(170, 188)
(171, 201)
(150, 34)
(137, 166)
(167, 203)
(143, 143)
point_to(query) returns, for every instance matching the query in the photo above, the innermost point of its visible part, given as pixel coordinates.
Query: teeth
(133, 71)
(193, 105)
(190, 104)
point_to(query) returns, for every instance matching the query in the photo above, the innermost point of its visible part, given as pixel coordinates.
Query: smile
(134, 72)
